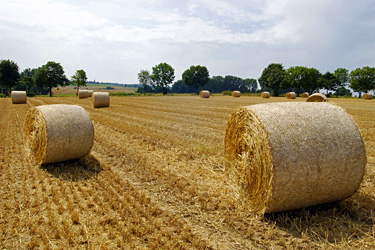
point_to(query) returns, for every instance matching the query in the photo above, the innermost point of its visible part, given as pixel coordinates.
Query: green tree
(249, 85)
(162, 76)
(144, 78)
(79, 79)
(330, 82)
(196, 76)
(341, 75)
(272, 77)
(9, 75)
(295, 77)
(362, 79)
(51, 75)
(312, 83)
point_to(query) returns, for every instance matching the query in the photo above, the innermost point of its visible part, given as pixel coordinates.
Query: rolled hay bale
(18, 97)
(305, 94)
(236, 93)
(83, 93)
(100, 99)
(58, 132)
(291, 95)
(90, 92)
(286, 156)
(317, 97)
(204, 94)
(368, 96)
(265, 94)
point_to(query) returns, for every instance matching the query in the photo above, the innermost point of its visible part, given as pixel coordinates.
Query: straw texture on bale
(236, 93)
(58, 132)
(368, 96)
(291, 95)
(204, 94)
(83, 94)
(265, 94)
(18, 97)
(100, 99)
(290, 155)
(305, 94)
(317, 97)
(90, 93)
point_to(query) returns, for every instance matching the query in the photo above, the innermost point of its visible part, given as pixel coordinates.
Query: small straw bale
(58, 132)
(368, 96)
(100, 99)
(286, 156)
(204, 94)
(291, 95)
(90, 92)
(305, 94)
(236, 93)
(18, 97)
(83, 93)
(265, 94)
(317, 97)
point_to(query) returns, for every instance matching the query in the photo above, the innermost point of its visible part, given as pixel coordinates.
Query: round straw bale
(265, 94)
(291, 95)
(204, 94)
(305, 94)
(100, 99)
(83, 93)
(368, 96)
(236, 93)
(90, 92)
(58, 132)
(317, 97)
(18, 97)
(291, 155)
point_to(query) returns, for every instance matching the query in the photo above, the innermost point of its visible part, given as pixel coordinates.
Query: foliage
(181, 87)
(79, 79)
(341, 75)
(123, 94)
(9, 75)
(300, 77)
(196, 76)
(51, 75)
(272, 77)
(2, 95)
(162, 76)
(226, 92)
(249, 85)
(329, 82)
(144, 78)
(343, 92)
(145, 89)
(362, 79)
(218, 84)
(109, 87)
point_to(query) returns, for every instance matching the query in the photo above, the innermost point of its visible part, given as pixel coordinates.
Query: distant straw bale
(90, 92)
(83, 94)
(368, 96)
(204, 94)
(236, 93)
(58, 132)
(18, 97)
(317, 97)
(305, 94)
(291, 155)
(100, 99)
(265, 94)
(291, 95)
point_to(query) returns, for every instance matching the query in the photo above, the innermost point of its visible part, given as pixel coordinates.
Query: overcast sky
(113, 40)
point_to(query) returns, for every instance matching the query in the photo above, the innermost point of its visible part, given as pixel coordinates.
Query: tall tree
(295, 77)
(312, 82)
(330, 82)
(272, 77)
(144, 78)
(51, 75)
(341, 75)
(162, 76)
(27, 80)
(196, 76)
(9, 75)
(79, 79)
(250, 85)
(362, 79)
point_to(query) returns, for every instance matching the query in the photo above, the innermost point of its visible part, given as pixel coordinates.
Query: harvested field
(155, 179)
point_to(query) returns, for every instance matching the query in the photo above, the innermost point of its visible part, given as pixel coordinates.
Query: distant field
(155, 179)
(69, 90)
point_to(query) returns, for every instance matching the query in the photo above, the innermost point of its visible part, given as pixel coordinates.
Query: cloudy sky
(113, 40)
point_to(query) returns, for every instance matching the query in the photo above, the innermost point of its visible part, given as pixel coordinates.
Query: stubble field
(155, 179)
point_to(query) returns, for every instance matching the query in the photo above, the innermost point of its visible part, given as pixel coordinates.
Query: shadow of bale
(336, 222)
(82, 169)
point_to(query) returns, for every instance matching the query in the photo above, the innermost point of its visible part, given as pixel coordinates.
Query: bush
(109, 87)
(2, 95)
(123, 94)
(30, 94)
(226, 92)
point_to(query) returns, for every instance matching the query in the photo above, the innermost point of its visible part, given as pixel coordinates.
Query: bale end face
(291, 95)
(204, 94)
(100, 99)
(236, 93)
(317, 97)
(265, 94)
(19, 97)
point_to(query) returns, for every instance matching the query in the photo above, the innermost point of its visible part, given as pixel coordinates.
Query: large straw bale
(100, 99)
(90, 92)
(58, 132)
(18, 97)
(83, 93)
(317, 97)
(265, 94)
(236, 93)
(368, 96)
(305, 94)
(291, 95)
(204, 94)
(291, 155)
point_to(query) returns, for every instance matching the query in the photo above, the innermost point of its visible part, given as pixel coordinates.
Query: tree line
(39, 80)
